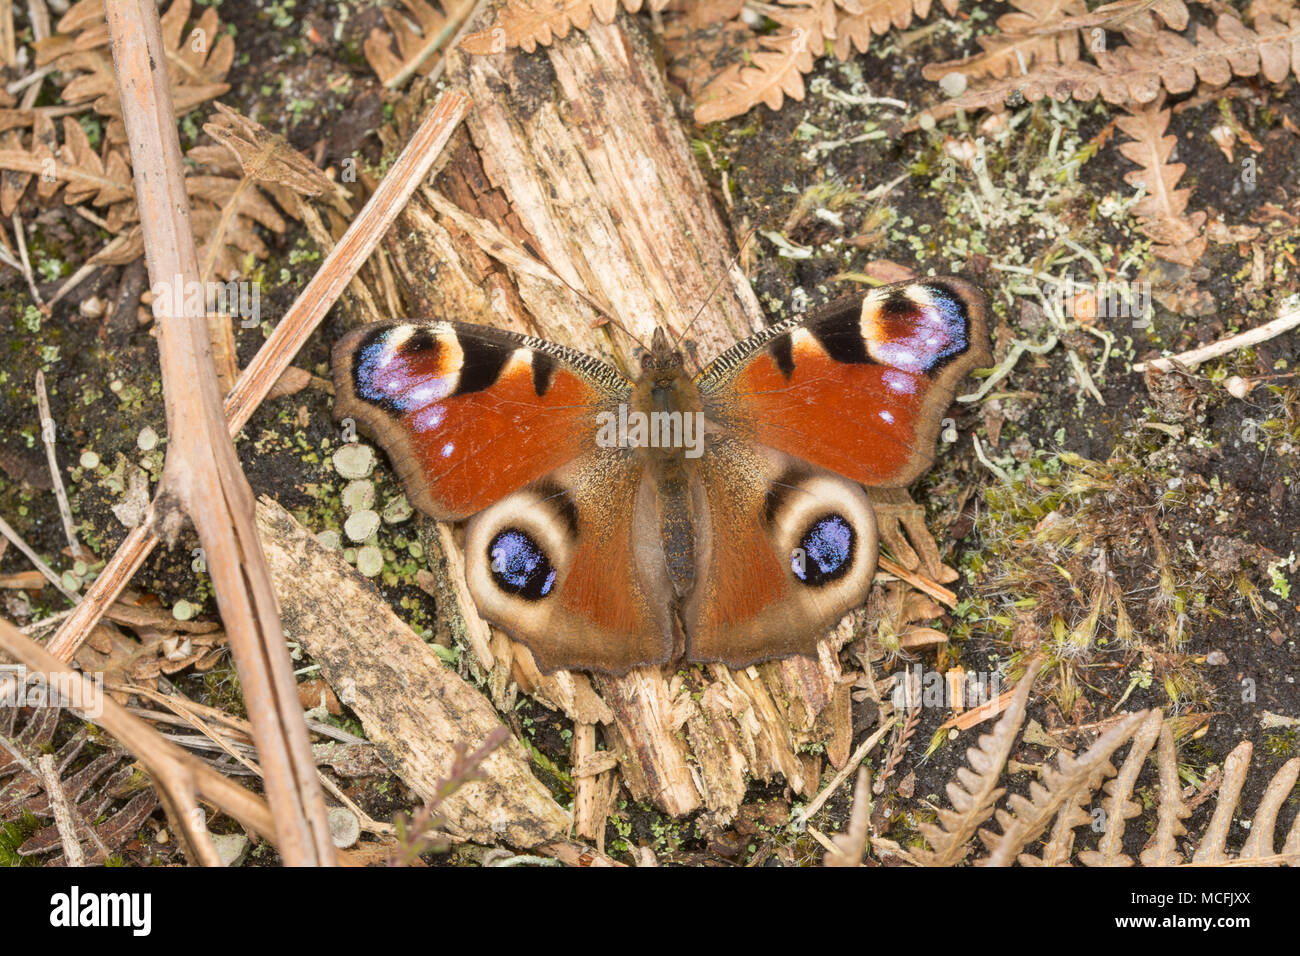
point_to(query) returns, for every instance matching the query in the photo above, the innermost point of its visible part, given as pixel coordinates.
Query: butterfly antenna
(596, 307)
(716, 285)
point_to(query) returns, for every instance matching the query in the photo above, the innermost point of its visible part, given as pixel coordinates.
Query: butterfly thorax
(670, 401)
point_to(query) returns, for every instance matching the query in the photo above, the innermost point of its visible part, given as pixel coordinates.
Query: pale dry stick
(8, 49)
(182, 779)
(803, 815)
(1283, 323)
(72, 851)
(60, 495)
(432, 45)
(21, 239)
(36, 561)
(353, 249)
(39, 19)
(202, 479)
(923, 584)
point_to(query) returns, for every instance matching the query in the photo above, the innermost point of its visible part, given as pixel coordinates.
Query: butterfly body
(721, 517)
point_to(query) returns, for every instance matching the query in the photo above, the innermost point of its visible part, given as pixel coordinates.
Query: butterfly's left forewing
(467, 413)
(858, 388)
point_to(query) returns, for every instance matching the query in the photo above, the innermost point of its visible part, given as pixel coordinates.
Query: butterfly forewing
(858, 388)
(466, 413)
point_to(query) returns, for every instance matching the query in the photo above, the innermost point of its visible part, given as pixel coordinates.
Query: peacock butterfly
(721, 517)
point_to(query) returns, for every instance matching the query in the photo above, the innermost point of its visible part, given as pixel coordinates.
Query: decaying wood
(575, 158)
(413, 707)
(202, 479)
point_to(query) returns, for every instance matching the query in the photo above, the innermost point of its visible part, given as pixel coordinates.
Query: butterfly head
(662, 365)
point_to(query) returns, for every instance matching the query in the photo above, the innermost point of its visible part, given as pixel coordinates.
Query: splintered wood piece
(413, 707)
(577, 176)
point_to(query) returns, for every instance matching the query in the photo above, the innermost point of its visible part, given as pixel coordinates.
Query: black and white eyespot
(518, 550)
(825, 552)
(520, 566)
(826, 526)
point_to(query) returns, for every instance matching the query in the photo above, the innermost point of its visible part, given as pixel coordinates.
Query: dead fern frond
(528, 24)
(232, 192)
(87, 176)
(1031, 37)
(975, 791)
(1119, 806)
(110, 800)
(859, 22)
(1137, 73)
(1162, 212)
(1028, 817)
(775, 69)
(1170, 809)
(198, 59)
(416, 37)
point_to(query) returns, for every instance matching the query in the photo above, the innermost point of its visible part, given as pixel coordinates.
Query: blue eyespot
(825, 551)
(520, 566)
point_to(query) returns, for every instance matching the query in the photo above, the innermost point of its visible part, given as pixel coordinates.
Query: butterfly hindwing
(787, 550)
(859, 389)
(571, 567)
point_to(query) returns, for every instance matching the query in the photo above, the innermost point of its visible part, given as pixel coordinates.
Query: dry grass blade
(975, 791)
(201, 475)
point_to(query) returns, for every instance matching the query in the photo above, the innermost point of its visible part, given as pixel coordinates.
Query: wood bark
(575, 157)
(413, 708)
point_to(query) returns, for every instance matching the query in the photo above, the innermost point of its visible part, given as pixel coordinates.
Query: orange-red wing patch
(861, 387)
(468, 414)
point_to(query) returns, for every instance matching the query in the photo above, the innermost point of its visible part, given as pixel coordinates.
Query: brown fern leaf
(1119, 806)
(231, 194)
(1133, 18)
(1259, 845)
(197, 59)
(1162, 212)
(1030, 37)
(855, 27)
(528, 24)
(975, 791)
(1236, 766)
(1137, 73)
(105, 181)
(1170, 809)
(416, 38)
(92, 789)
(775, 70)
(1028, 817)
